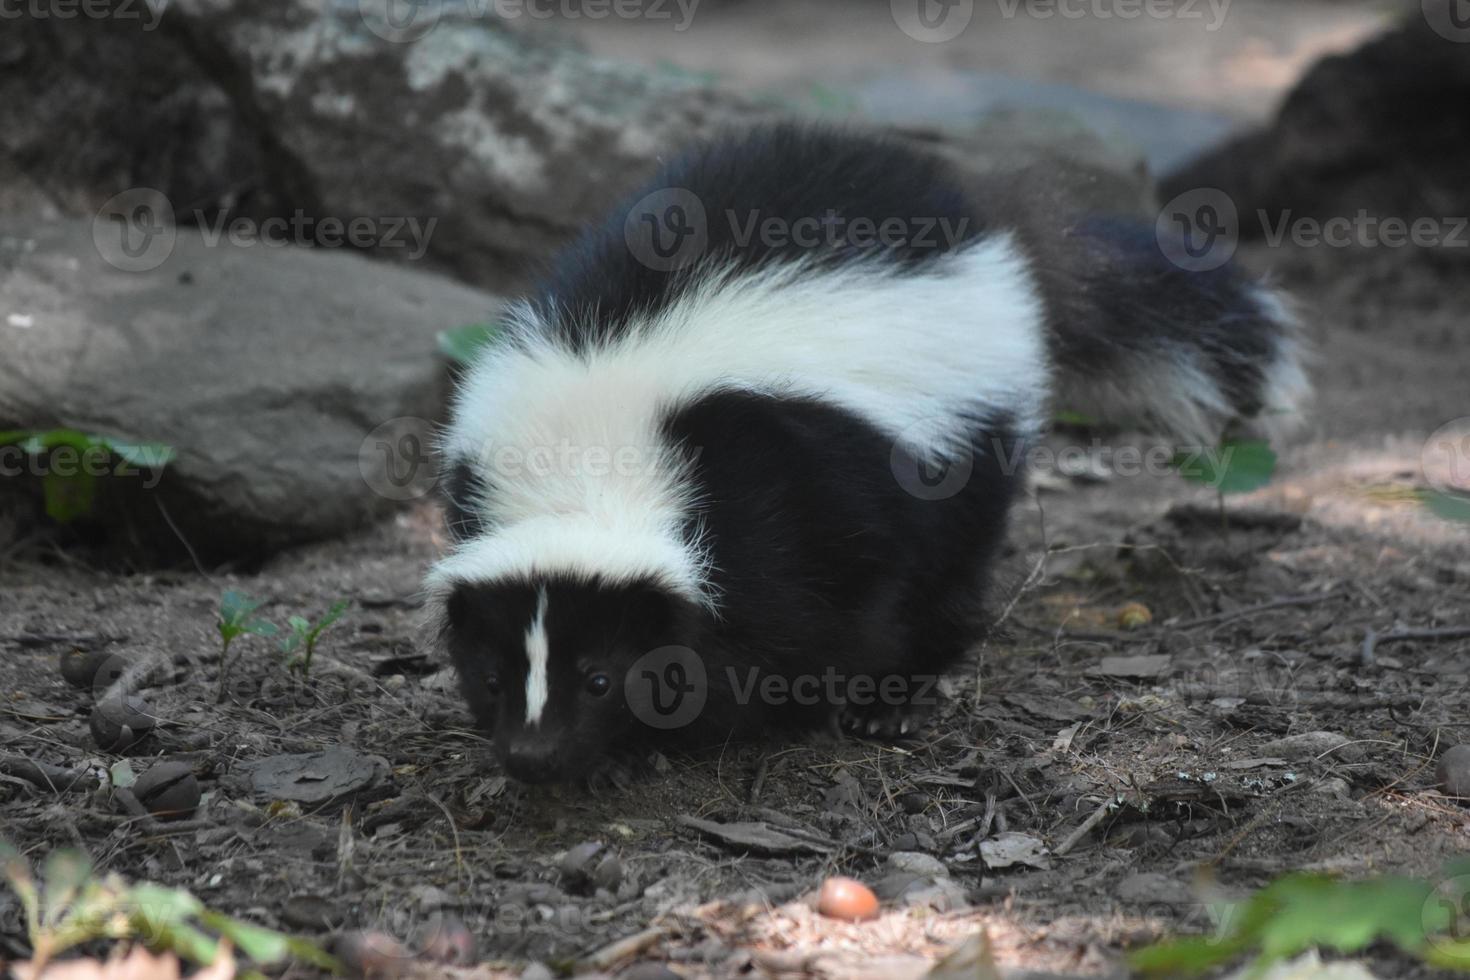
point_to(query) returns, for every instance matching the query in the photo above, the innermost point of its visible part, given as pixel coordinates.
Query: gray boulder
(271, 372)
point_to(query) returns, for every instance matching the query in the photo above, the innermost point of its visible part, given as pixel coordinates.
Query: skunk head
(545, 665)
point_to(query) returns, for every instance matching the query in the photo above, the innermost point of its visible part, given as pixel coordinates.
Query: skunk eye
(492, 685)
(599, 684)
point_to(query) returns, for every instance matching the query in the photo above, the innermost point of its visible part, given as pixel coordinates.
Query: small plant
(299, 644)
(237, 618)
(1234, 466)
(462, 344)
(70, 905)
(74, 461)
(1304, 911)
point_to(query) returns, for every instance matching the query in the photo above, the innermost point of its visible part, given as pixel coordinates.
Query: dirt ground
(1257, 634)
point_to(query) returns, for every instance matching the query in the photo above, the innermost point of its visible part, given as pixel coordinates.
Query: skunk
(756, 481)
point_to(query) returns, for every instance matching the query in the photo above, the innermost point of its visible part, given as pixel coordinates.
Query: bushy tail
(1143, 339)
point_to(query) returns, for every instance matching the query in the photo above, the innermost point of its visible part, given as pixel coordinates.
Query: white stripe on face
(537, 652)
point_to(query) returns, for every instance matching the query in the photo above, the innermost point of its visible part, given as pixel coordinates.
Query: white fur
(538, 652)
(1172, 391)
(914, 355)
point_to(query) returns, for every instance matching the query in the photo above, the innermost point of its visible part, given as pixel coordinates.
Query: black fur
(825, 558)
(837, 585)
(786, 172)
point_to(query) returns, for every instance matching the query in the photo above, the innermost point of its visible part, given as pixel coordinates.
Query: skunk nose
(532, 761)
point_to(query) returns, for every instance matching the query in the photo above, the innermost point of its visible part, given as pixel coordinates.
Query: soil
(1258, 624)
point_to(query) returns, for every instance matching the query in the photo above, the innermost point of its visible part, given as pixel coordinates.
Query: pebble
(917, 863)
(1453, 772)
(848, 899)
(168, 790)
(446, 939)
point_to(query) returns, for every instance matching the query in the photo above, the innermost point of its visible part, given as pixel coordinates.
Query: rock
(1380, 128)
(913, 862)
(169, 790)
(1010, 848)
(92, 669)
(1453, 772)
(120, 722)
(332, 775)
(274, 375)
(1124, 135)
(940, 895)
(1308, 746)
(578, 865)
(530, 137)
(1148, 888)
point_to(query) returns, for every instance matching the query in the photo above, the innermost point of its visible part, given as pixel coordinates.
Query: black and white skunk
(762, 485)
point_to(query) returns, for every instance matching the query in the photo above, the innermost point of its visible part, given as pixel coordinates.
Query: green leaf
(145, 455)
(462, 344)
(237, 616)
(333, 614)
(1450, 506)
(1068, 417)
(64, 872)
(1235, 466)
(262, 945)
(52, 438)
(154, 908)
(191, 944)
(1301, 912)
(69, 497)
(121, 774)
(13, 436)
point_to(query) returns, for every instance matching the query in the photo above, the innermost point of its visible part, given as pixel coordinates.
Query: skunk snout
(533, 759)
